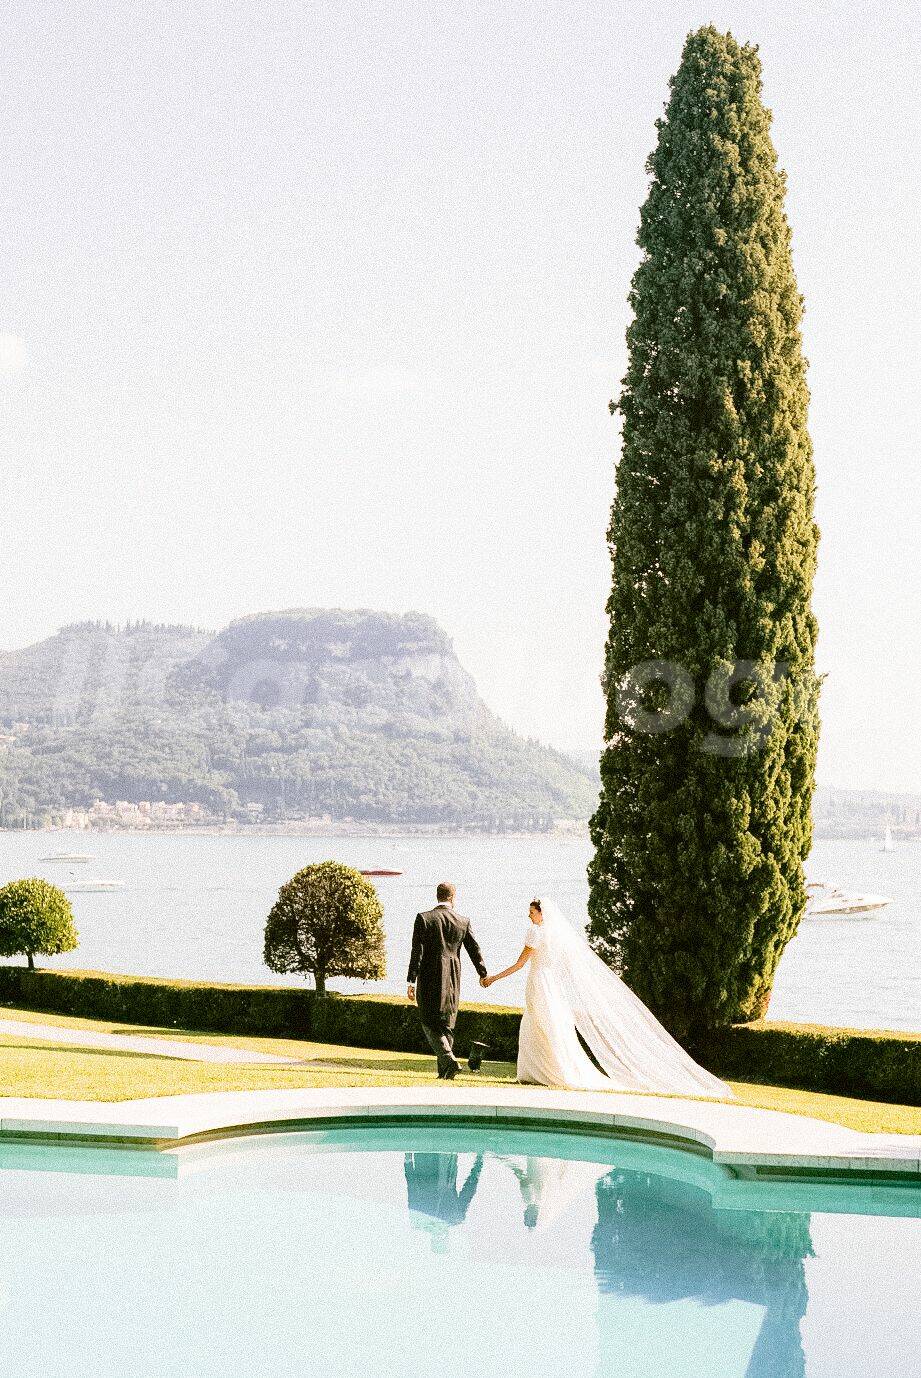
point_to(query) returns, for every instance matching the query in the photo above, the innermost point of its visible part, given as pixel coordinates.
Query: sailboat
(888, 842)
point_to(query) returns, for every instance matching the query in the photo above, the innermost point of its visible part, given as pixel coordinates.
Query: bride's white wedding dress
(570, 991)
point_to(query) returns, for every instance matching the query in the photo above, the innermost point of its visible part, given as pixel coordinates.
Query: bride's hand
(485, 982)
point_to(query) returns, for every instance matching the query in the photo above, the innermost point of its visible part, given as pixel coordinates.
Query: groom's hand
(484, 981)
(411, 993)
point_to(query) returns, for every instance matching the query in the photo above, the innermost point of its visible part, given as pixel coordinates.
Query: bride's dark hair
(535, 904)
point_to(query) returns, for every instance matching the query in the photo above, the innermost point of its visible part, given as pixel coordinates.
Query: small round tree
(327, 921)
(35, 918)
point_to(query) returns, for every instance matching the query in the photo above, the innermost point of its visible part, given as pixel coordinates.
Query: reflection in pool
(663, 1242)
(450, 1250)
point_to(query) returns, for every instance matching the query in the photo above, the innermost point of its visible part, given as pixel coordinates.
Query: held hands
(486, 981)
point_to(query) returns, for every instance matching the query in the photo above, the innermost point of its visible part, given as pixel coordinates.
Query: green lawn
(37, 1068)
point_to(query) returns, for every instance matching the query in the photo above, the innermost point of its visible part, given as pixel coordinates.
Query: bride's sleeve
(533, 936)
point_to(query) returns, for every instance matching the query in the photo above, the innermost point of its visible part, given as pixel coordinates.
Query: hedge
(877, 1066)
(883, 1065)
(359, 1021)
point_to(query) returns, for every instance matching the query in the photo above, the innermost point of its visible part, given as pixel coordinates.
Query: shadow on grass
(419, 1063)
(375, 1061)
(205, 1035)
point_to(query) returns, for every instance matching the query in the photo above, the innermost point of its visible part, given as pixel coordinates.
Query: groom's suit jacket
(434, 963)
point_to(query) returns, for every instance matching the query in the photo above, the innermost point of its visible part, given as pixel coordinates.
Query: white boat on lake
(68, 858)
(824, 900)
(90, 885)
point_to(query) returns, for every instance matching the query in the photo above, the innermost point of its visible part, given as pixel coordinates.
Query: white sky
(322, 304)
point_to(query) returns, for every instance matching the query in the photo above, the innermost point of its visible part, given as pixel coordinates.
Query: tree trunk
(31, 961)
(319, 977)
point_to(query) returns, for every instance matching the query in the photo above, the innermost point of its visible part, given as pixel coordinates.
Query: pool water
(449, 1251)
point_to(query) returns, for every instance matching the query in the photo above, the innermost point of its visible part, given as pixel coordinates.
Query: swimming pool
(457, 1251)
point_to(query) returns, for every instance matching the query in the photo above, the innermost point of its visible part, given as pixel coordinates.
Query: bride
(571, 991)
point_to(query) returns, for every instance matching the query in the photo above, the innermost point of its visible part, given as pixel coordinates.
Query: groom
(434, 974)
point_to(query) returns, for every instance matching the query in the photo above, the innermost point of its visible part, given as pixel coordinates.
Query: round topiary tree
(712, 720)
(327, 921)
(35, 919)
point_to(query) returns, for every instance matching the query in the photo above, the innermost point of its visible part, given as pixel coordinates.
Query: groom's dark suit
(431, 1186)
(434, 969)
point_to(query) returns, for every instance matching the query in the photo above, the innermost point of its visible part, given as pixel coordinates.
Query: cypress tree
(704, 818)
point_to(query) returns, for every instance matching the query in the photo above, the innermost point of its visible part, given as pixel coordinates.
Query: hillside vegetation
(315, 713)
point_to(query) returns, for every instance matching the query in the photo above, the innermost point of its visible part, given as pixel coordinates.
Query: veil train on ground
(628, 1043)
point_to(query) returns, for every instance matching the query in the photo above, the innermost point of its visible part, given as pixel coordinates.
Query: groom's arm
(415, 956)
(472, 948)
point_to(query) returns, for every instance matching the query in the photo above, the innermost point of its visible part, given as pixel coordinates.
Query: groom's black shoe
(451, 1070)
(475, 1060)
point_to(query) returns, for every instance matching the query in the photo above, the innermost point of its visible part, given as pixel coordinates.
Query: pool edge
(747, 1141)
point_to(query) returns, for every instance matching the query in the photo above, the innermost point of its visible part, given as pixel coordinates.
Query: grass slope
(41, 1069)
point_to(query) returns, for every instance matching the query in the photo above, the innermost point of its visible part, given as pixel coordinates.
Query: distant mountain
(854, 813)
(588, 761)
(308, 713)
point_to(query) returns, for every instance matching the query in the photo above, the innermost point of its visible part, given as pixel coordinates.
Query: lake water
(195, 906)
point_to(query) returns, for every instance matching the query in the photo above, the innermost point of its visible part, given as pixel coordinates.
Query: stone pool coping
(748, 1141)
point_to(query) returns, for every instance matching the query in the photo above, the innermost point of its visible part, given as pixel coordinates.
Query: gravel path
(132, 1043)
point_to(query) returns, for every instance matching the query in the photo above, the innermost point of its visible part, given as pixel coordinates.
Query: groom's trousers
(440, 1035)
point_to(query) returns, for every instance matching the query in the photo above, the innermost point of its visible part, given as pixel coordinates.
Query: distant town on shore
(838, 813)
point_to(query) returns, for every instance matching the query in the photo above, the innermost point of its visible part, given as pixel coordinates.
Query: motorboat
(382, 873)
(66, 858)
(90, 885)
(824, 900)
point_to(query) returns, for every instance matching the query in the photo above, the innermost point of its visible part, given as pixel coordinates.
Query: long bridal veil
(626, 1040)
